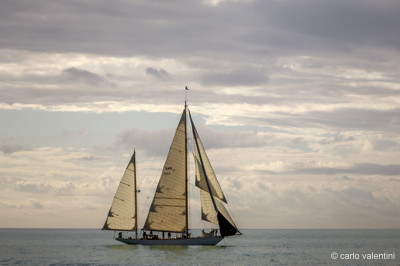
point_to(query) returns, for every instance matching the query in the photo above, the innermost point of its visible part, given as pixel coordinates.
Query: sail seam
(175, 149)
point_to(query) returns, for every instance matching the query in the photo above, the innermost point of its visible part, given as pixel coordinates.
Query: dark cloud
(360, 169)
(75, 74)
(42, 187)
(36, 204)
(71, 85)
(88, 158)
(250, 27)
(340, 119)
(32, 187)
(160, 74)
(359, 119)
(338, 138)
(7, 145)
(341, 26)
(345, 177)
(383, 145)
(239, 44)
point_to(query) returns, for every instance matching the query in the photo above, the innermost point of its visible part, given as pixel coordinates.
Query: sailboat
(169, 209)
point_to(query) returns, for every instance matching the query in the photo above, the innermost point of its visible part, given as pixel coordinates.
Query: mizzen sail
(168, 209)
(122, 214)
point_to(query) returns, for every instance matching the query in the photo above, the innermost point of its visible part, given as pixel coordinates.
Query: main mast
(186, 174)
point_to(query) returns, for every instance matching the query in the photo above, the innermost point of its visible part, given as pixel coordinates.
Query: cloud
(32, 187)
(265, 28)
(237, 77)
(160, 74)
(28, 204)
(360, 169)
(341, 26)
(340, 204)
(149, 141)
(73, 74)
(353, 119)
(88, 158)
(152, 141)
(339, 138)
(298, 104)
(383, 145)
(7, 145)
(35, 204)
(214, 139)
(326, 168)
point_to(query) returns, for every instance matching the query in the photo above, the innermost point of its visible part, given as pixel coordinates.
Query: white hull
(201, 241)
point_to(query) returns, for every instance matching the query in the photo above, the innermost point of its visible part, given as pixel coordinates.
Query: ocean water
(254, 247)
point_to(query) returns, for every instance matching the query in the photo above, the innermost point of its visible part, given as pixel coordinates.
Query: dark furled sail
(226, 228)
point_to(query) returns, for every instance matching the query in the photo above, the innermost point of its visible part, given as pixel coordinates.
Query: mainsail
(211, 195)
(168, 211)
(122, 214)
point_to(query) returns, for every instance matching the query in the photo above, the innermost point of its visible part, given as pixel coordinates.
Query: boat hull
(196, 241)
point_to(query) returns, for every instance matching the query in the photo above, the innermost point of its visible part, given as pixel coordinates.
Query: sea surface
(254, 247)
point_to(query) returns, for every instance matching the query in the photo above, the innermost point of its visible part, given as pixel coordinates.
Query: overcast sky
(297, 103)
